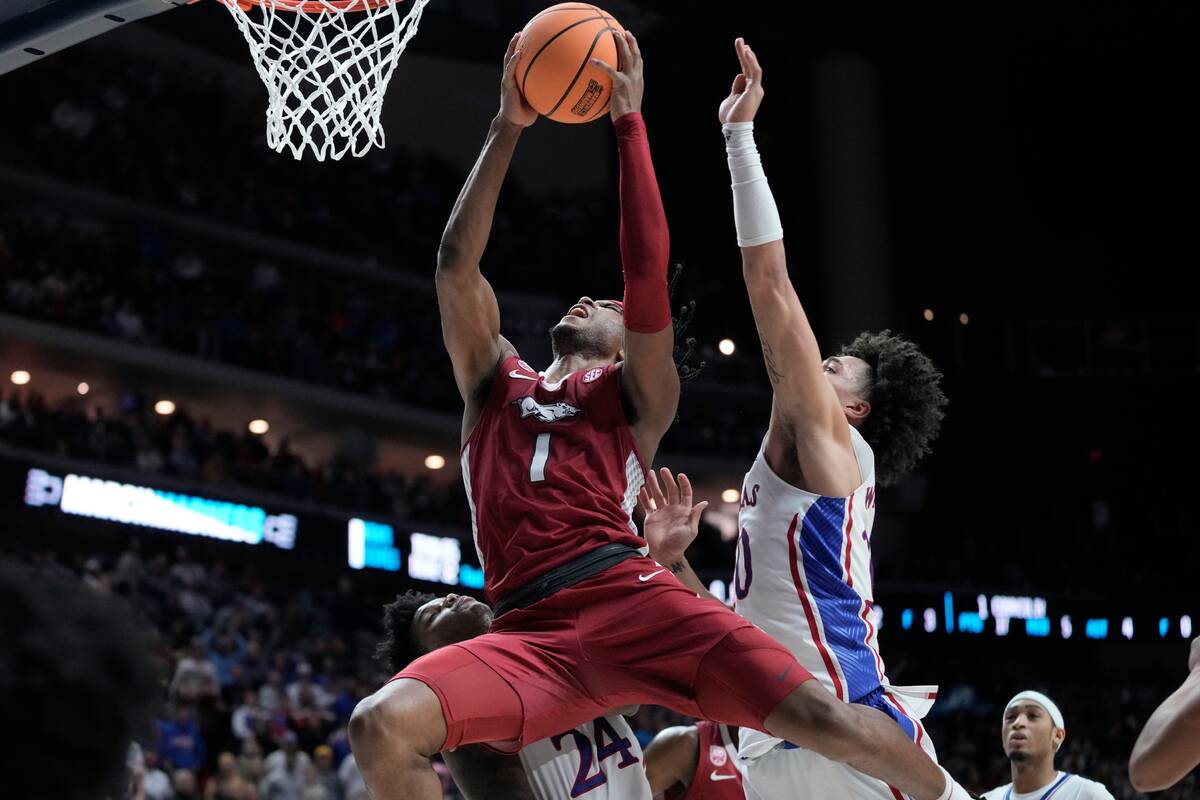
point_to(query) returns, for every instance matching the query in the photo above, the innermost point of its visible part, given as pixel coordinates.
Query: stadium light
(963, 318)
(83, 387)
(727, 347)
(20, 377)
(165, 407)
(434, 461)
(928, 315)
(731, 495)
(259, 426)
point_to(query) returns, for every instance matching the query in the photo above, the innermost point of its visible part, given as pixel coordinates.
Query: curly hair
(398, 648)
(76, 669)
(907, 402)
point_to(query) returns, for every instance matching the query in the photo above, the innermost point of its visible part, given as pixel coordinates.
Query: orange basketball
(554, 70)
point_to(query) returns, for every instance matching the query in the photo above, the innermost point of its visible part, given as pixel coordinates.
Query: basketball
(554, 71)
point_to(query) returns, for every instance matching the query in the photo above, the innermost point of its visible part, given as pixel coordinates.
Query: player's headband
(1045, 702)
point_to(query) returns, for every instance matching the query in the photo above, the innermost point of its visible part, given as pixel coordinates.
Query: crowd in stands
(141, 284)
(134, 436)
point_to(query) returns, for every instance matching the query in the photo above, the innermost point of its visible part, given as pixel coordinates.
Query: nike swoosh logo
(783, 675)
(716, 776)
(515, 374)
(644, 578)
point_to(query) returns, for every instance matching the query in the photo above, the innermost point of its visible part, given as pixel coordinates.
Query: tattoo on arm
(769, 356)
(677, 567)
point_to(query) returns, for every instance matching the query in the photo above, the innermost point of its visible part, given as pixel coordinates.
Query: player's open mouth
(578, 310)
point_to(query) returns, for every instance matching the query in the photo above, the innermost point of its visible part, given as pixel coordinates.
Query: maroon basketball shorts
(631, 634)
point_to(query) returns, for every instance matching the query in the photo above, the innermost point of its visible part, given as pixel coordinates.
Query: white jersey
(1065, 786)
(803, 574)
(601, 758)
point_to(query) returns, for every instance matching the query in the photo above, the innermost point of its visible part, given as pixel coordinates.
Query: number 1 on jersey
(541, 452)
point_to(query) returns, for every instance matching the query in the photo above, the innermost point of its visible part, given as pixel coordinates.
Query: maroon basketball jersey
(717, 775)
(551, 472)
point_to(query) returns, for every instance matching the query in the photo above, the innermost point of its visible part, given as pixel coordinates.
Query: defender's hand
(628, 84)
(746, 95)
(513, 108)
(672, 522)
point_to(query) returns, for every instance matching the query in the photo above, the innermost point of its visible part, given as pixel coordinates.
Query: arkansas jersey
(551, 472)
(718, 770)
(803, 575)
(599, 760)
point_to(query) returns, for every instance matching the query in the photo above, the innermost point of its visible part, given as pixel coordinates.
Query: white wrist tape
(754, 211)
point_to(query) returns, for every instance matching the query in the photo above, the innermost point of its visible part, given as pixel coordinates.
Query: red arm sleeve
(645, 241)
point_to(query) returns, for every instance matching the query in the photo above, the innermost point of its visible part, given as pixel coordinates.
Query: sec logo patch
(717, 755)
(592, 374)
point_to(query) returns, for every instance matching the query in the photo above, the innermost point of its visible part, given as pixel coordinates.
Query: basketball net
(326, 65)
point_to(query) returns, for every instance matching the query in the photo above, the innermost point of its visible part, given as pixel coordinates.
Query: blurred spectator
(155, 783)
(289, 755)
(304, 683)
(179, 740)
(326, 775)
(195, 676)
(229, 783)
(287, 773)
(246, 721)
(185, 786)
(354, 787)
(271, 694)
(225, 651)
(250, 761)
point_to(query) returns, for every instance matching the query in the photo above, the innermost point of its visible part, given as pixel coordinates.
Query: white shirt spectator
(157, 785)
(321, 699)
(281, 784)
(278, 760)
(269, 698)
(244, 721)
(195, 677)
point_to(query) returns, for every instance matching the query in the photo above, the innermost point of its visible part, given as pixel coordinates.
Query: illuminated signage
(999, 615)
(372, 544)
(159, 509)
(435, 558)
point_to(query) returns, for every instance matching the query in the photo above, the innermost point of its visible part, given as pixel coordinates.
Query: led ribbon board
(159, 509)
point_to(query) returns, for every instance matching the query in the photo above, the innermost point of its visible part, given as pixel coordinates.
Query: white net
(326, 65)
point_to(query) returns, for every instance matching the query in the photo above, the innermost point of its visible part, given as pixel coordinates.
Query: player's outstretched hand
(513, 108)
(627, 82)
(746, 95)
(672, 522)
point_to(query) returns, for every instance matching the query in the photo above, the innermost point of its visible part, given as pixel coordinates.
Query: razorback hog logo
(553, 412)
(717, 755)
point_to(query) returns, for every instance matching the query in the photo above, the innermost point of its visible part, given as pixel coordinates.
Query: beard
(1018, 756)
(568, 340)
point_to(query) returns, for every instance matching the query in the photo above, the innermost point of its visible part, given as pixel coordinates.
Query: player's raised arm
(804, 401)
(1168, 748)
(648, 375)
(470, 314)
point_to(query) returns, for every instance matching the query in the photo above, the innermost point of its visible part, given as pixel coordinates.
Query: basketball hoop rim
(314, 6)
